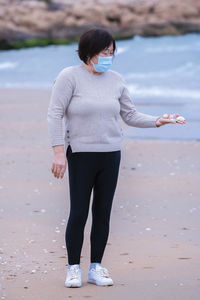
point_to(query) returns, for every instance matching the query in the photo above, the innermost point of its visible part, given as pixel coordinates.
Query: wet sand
(154, 241)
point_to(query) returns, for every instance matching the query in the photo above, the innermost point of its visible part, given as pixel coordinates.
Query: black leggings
(87, 170)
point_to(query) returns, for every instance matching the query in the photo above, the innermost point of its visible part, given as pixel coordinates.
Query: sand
(153, 245)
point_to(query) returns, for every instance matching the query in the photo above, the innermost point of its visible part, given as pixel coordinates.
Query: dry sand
(153, 250)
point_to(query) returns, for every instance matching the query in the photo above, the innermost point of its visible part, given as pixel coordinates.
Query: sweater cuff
(57, 142)
(152, 122)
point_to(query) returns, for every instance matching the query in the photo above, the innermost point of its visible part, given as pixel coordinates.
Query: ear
(88, 59)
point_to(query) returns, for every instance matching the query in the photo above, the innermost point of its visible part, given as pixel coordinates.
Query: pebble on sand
(148, 228)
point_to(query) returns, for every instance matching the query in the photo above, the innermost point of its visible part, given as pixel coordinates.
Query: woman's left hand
(162, 121)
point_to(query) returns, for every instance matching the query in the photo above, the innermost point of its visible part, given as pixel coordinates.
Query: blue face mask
(104, 63)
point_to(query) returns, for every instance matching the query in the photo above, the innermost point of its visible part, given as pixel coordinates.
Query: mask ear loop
(90, 61)
(93, 62)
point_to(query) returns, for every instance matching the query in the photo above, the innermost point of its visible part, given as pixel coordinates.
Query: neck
(90, 68)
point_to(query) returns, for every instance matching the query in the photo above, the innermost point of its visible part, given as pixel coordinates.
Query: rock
(21, 20)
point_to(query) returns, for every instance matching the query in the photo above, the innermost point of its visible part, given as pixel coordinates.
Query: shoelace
(74, 273)
(103, 272)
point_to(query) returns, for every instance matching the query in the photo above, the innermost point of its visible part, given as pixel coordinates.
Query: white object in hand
(173, 117)
(180, 118)
(170, 116)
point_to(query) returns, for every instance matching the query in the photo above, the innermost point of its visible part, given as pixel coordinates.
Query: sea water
(162, 75)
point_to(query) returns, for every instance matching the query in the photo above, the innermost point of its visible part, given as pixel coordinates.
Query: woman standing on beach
(91, 98)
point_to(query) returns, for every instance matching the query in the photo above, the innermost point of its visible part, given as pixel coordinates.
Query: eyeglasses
(107, 52)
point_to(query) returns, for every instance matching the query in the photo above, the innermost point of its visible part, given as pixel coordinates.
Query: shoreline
(31, 97)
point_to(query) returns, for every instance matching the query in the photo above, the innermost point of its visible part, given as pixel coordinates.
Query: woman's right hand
(59, 163)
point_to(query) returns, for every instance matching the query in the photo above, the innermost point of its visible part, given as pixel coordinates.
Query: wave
(8, 65)
(134, 89)
(189, 68)
(181, 48)
(121, 50)
(163, 92)
(34, 85)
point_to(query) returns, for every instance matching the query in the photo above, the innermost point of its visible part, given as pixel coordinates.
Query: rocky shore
(29, 22)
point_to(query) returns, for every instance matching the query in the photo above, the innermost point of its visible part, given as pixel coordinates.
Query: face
(106, 52)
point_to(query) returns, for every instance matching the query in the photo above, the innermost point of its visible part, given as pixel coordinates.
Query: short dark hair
(94, 41)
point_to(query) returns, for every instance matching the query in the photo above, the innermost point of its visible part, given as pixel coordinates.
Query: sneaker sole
(72, 285)
(101, 284)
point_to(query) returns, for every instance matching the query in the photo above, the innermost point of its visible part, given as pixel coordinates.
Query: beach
(153, 245)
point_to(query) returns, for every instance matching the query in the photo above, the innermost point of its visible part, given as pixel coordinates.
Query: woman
(91, 98)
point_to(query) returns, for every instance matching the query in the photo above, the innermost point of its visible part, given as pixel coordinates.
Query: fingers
(169, 121)
(176, 121)
(53, 168)
(62, 174)
(59, 173)
(58, 170)
(166, 121)
(181, 122)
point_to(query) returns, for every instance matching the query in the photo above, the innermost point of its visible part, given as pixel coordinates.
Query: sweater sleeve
(61, 94)
(129, 113)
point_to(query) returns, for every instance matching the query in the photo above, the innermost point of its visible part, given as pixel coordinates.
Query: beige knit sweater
(91, 106)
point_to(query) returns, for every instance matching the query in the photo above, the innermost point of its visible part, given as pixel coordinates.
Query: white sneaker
(99, 276)
(73, 278)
